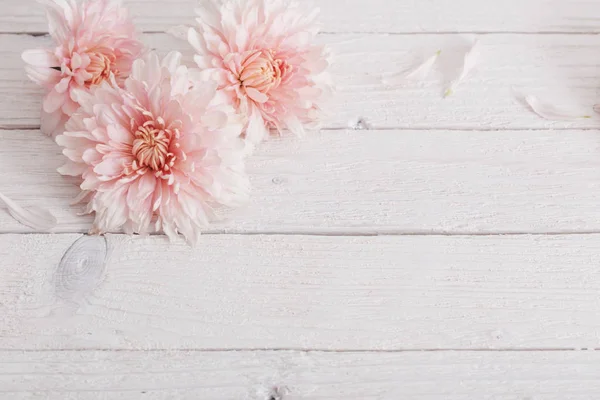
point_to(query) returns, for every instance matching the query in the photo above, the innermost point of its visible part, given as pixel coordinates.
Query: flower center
(100, 67)
(262, 71)
(151, 147)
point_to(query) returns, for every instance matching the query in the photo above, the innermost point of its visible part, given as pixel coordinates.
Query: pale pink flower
(263, 56)
(158, 150)
(94, 40)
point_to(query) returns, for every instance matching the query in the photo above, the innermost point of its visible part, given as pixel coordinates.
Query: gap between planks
(307, 350)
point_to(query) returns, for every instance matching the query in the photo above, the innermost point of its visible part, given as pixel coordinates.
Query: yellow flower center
(151, 148)
(262, 71)
(102, 63)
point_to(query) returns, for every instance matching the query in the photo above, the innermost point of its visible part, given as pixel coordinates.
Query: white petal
(294, 125)
(172, 61)
(550, 112)
(469, 62)
(597, 108)
(256, 130)
(33, 217)
(214, 120)
(40, 58)
(195, 40)
(42, 75)
(416, 73)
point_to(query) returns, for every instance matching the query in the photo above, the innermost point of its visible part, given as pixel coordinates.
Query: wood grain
(283, 375)
(369, 182)
(303, 292)
(379, 16)
(560, 69)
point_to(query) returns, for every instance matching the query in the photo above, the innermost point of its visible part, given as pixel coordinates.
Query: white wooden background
(450, 250)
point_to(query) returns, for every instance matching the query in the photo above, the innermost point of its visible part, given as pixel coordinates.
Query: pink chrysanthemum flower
(159, 150)
(94, 40)
(263, 56)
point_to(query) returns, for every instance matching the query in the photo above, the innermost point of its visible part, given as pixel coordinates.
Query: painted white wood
(369, 182)
(559, 69)
(283, 375)
(299, 292)
(375, 16)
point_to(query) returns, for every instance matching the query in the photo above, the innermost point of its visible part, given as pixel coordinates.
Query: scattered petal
(33, 217)
(469, 62)
(550, 112)
(416, 73)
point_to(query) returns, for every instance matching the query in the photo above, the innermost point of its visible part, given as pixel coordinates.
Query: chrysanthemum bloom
(94, 40)
(156, 155)
(263, 56)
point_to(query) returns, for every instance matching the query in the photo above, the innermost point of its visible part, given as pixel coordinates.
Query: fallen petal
(33, 217)
(469, 62)
(417, 73)
(550, 112)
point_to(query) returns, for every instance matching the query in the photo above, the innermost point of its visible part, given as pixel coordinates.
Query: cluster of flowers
(158, 144)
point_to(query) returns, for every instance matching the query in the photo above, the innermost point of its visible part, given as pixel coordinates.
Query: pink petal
(256, 95)
(53, 101)
(63, 85)
(110, 167)
(91, 156)
(119, 134)
(42, 75)
(52, 124)
(70, 107)
(75, 61)
(72, 169)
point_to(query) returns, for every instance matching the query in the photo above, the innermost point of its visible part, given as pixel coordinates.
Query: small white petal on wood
(551, 112)
(470, 60)
(37, 218)
(417, 73)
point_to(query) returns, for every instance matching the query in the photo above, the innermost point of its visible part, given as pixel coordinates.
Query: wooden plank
(369, 182)
(560, 69)
(300, 292)
(376, 16)
(282, 375)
